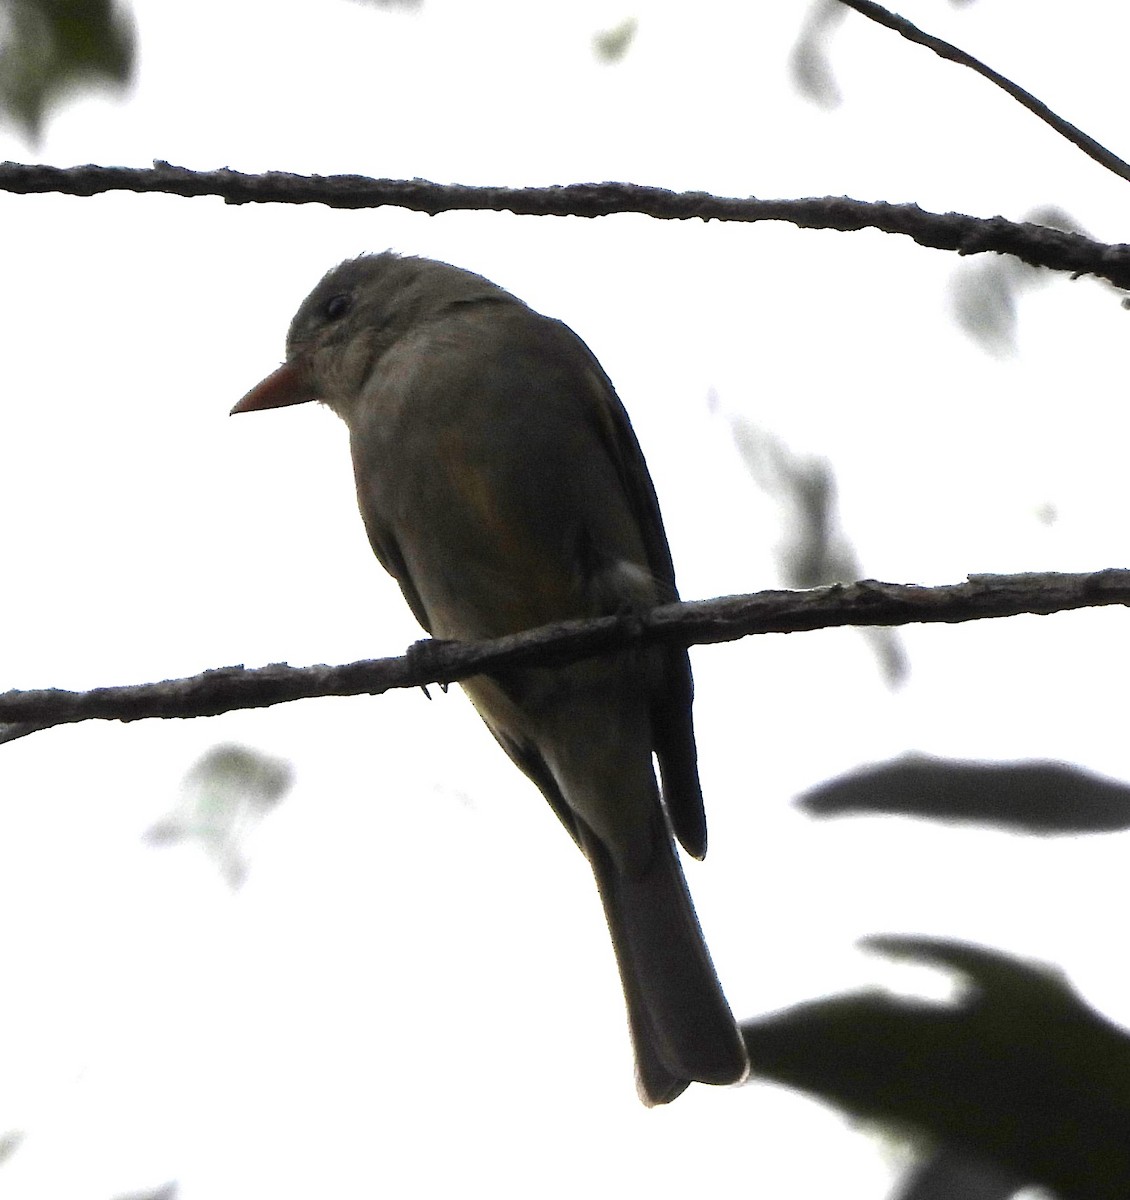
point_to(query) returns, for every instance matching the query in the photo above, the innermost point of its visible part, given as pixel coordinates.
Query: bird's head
(352, 318)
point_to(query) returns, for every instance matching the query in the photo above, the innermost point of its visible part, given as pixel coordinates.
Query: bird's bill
(287, 385)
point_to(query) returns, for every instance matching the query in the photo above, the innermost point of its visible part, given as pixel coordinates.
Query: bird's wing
(671, 711)
(388, 554)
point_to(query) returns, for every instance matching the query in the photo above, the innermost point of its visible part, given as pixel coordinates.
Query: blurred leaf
(1053, 217)
(1034, 797)
(950, 1174)
(984, 293)
(167, 1191)
(49, 48)
(815, 551)
(889, 653)
(225, 797)
(1020, 1072)
(9, 1144)
(984, 303)
(611, 45)
(809, 64)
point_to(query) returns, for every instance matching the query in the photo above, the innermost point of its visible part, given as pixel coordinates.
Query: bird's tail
(682, 1027)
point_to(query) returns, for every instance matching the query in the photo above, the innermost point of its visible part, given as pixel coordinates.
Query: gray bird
(502, 486)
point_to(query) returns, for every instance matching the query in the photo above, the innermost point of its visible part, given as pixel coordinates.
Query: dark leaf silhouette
(1020, 1072)
(55, 47)
(1035, 796)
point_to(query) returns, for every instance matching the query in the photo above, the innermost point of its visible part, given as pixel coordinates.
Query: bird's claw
(422, 656)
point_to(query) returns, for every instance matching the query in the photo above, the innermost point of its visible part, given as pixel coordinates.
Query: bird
(502, 486)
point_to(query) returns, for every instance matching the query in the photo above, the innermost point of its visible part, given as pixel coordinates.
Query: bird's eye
(337, 306)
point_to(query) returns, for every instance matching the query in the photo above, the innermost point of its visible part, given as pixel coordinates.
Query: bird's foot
(423, 654)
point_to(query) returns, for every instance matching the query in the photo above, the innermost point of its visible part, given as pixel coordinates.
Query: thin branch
(947, 50)
(702, 622)
(1037, 245)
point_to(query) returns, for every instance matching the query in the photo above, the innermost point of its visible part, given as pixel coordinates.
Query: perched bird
(501, 485)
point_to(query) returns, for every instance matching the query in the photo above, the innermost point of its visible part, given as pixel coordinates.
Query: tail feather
(681, 1024)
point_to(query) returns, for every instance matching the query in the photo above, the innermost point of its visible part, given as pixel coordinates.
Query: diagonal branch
(1034, 244)
(947, 50)
(701, 622)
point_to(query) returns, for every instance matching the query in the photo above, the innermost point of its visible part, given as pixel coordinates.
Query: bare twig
(947, 50)
(866, 603)
(1034, 244)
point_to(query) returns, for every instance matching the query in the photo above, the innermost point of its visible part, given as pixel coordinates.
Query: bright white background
(413, 993)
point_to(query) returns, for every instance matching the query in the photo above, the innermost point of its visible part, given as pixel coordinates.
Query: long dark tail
(681, 1024)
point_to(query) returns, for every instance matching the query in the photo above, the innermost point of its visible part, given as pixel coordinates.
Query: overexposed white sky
(413, 993)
